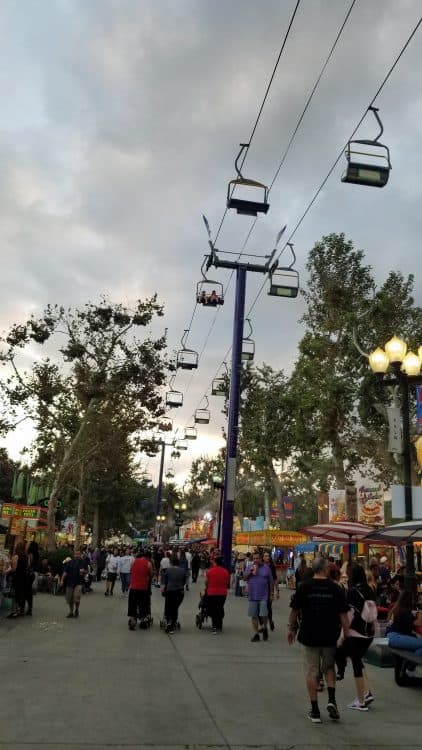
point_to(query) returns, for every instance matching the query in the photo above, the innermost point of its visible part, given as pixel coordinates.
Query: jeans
(125, 580)
(406, 642)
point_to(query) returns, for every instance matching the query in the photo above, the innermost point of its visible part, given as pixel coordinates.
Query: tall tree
(105, 368)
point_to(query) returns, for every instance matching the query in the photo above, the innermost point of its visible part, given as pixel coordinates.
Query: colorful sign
(270, 538)
(336, 505)
(419, 409)
(11, 510)
(288, 508)
(371, 505)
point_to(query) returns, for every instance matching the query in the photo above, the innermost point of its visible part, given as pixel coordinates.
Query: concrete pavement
(92, 683)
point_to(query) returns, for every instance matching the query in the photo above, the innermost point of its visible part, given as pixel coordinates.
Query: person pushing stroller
(175, 579)
(139, 599)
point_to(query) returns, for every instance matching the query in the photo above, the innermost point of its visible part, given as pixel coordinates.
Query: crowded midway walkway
(90, 682)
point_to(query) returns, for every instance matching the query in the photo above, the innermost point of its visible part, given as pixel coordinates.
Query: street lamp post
(179, 508)
(160, 520)
(406, 369)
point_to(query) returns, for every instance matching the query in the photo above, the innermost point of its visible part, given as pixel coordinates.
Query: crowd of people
(333, 614)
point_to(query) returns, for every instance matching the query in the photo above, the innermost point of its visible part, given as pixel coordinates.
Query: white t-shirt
(125, 563)
(188, 556)
(165, 563)
(112, 563)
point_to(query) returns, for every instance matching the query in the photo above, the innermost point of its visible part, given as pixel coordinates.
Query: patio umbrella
(341, 531)
(407, 531)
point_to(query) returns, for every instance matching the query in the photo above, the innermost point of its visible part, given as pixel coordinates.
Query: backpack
(369, 612)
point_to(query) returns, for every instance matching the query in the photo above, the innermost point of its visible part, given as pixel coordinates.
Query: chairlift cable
(308, 208)
(321, 187)
(244, 157)
(249, 144)
(332, 168)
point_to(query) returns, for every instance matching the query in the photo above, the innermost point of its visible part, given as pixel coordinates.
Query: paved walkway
(91, 683)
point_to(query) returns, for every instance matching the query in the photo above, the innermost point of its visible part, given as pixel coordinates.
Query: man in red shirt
(216, 585)
(139, 600)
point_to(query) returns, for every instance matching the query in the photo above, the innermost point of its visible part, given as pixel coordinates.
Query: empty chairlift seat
(284, 282)
(218, 387)
(247, 197)
(174, 399)
(368, 161)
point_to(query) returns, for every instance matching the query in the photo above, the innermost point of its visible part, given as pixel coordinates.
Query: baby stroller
(203, 614)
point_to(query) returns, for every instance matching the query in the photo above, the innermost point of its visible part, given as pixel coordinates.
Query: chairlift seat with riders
(165, 424)
(209, 293)
(368, 170)
(169, 474)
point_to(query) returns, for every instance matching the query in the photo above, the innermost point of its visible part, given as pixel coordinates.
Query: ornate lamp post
(179, 509)
(160, 520)
(395, 366)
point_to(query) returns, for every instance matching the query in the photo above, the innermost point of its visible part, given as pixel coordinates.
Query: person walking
(139, 600)
(195, 565)
(125, 564)
(318, 610)
(360, 635)
(174, 592)
(216, 586)
(73, 577)
(19, 573)
(268, 561)
(112, 566)
(260, 589)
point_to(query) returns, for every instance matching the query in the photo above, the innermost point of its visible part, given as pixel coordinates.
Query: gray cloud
(121, 128)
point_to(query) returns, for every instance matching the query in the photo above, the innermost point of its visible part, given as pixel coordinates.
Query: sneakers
(265, 634)
(333, 711)
(255, 638)
(356, 706)
(368, 698)
(69, 615)
(315, 717)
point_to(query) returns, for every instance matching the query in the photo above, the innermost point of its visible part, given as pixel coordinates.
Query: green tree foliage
(105, 371)
(7, 473)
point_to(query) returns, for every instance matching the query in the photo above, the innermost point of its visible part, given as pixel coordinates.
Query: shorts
(318, 659)
(258, 609)
(73, 595)
(111, 577)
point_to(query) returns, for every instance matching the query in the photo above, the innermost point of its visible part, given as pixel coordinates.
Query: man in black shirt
(318, 611)
(74, 573)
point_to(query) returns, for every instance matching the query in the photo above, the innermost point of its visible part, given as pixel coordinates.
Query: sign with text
(337, 505)
(371, 505)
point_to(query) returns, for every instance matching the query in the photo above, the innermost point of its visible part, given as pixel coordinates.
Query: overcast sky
(120, 123)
